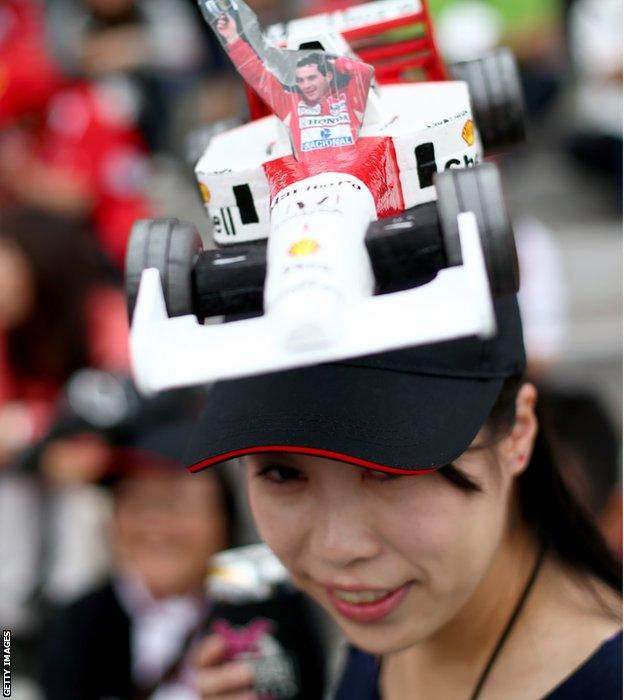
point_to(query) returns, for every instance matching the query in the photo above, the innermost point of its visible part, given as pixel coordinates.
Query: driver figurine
(325, 107)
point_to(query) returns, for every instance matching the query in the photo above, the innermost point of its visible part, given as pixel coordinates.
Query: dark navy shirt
(599, 678)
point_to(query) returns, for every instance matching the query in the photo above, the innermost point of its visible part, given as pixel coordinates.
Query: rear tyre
(496, 97)
(171, 246)
(479, 190)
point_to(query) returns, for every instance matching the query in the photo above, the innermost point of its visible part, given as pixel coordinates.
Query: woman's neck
(464, 645)
(473, 632)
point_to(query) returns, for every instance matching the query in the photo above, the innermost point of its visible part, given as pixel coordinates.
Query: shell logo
(468, 133)
(306, 246)
(205, 192)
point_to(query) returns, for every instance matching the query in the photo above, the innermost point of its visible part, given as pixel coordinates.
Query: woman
(481, 578)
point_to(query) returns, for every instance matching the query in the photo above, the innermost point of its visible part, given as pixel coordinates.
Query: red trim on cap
(313, 451)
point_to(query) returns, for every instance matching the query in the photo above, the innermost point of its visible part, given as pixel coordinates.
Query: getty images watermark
(6, 663)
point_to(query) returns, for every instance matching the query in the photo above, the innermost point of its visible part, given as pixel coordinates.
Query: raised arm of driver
(259, 77)
(359, 72)
(227, 29)
(218, 679)
(354, 66)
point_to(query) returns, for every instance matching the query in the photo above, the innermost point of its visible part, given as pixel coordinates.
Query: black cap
(405, 411)
(147, 448)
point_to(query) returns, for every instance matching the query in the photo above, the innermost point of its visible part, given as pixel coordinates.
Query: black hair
(585, 441)
(314, 59)
(321, 61)
(548, 505)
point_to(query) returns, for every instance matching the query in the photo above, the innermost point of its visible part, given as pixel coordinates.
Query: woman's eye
(380, 476)
(279, 474)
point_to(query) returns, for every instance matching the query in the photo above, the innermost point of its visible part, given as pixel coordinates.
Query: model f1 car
(348, 221)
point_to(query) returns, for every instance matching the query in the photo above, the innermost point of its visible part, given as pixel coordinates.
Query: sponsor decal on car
(306, 246)
(205, 193)
(427, 163)
(290, 191)
(468, 133)
(447, 120)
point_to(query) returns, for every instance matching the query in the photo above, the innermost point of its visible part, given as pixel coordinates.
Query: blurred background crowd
(105, 105)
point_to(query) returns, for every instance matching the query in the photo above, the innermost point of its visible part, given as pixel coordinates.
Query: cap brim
(370, 417)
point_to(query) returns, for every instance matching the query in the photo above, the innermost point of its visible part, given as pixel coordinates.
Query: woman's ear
(516, 448)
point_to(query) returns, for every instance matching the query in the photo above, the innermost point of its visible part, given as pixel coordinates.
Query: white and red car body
(319, 302)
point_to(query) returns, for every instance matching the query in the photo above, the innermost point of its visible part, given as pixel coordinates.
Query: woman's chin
(379, 639)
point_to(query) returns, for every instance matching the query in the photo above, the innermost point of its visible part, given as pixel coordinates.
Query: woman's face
(350, 536)
(166, 526)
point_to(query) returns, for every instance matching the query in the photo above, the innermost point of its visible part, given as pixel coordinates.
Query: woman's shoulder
(600, 676)
(577, 629)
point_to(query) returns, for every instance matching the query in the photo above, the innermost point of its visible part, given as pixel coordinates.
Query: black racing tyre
(479, 190)
(405, 250)
(496, 97)
(171, 246)
(230, 281)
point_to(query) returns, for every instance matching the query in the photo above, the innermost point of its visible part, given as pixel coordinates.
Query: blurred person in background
(85, 161)
(29, 75)
(153, 48)
(55, 317)
(165, 526)
(68, 147)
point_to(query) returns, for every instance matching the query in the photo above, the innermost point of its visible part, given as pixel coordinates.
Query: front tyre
(171, 246)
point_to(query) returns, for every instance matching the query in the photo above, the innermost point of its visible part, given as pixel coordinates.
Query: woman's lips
(368, 611)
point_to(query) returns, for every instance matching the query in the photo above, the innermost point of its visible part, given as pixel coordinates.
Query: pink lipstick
(359, 608)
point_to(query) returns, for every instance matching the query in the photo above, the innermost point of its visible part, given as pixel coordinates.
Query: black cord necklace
(509, 626)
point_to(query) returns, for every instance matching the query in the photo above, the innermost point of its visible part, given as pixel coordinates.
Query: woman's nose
(342, 536)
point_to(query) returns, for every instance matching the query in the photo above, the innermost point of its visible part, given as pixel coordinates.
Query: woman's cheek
(445, 537)
(280, 525)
